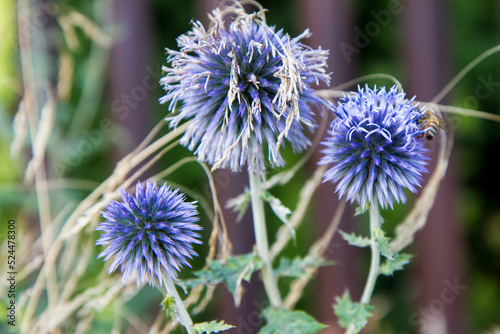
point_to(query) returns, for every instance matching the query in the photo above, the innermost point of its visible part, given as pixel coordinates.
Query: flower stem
(182, 313)
(375, 261)
(259, 224)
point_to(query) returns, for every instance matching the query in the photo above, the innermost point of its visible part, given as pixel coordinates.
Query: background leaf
(350, 313)
(232, 272)
(289, 322)
(279, 210)
(390, 266)
(383, 243)
(239, 204)
(296, 267)
(355, 240)
(211, 327)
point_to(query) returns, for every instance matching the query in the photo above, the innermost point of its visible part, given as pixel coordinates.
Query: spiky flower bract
(149, 233)
(372, 147)
(245, 87)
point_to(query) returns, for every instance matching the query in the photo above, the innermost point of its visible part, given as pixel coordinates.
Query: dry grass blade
(285, 176)
(48, 321)
(219, 218)
(374, 76)
(464, 71)
(91, 29)
(65, 79)
(38, 130)
(405, 232)
(87, 211)
(39, 143)
(216, 214)
(469, 112)
(20, 125)
(69, 33)
(317, 250)
(306, 194)
(203, 303)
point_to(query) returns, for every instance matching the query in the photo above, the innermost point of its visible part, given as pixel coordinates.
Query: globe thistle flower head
(245, 87)
(372, 147)
(150, 233)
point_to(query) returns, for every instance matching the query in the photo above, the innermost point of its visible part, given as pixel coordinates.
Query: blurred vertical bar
(38, 62)
(331, 24)
(130, 76)
(439, 245)
(229, 185)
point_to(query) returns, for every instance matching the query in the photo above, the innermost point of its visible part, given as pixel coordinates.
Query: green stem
(182, 313)
(259, 224)
(375, 261)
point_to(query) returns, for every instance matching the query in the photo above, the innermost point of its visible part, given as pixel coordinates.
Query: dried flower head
(372, 147)
(244, 86)
(149, 233)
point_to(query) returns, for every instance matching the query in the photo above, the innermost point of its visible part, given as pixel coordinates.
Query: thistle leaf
(281, 211)
(232, 272)
(390, 266)
(211, 327)
(360, 210)
(285, 321)
(239, 204)
(355, 240)
(383, 243)
(297, 266)
(169, 306)
(350, 313)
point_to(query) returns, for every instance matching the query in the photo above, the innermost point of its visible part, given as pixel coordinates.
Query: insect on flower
(429, 122)
(372, 147)
(151, 233)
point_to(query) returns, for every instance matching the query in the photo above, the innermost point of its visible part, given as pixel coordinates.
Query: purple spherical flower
(372, 147)
(149, 233)
(245, 87)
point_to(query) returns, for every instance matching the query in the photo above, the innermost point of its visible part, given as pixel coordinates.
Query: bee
(429, 123)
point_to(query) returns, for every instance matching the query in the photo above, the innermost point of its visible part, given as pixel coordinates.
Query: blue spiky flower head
(151, 233)
(245, 87)
(372, 147)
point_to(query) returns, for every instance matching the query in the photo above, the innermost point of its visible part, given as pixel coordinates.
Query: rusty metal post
(331, 24)
(131, 83)
(438, 245)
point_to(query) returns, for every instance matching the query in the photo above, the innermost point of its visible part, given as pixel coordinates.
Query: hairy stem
(182, 313)
(375, 261)
(259, 224)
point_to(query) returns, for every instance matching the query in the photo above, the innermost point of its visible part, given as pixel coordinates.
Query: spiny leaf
(232, 272)
(285, 321)
(211, 327)
(169, 306)
(390, 266)
(383, 243)
(360, 210)
(279, 210)
(296, 267)
(239, 204)
(350, 313)
(355, 240)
